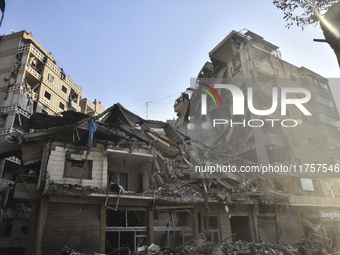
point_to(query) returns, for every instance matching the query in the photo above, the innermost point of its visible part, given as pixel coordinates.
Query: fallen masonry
(116, 182)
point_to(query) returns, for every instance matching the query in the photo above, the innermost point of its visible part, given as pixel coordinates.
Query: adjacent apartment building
(246, 60)
(30, 82)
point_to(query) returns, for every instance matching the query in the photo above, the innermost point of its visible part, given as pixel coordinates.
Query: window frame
(68, 173)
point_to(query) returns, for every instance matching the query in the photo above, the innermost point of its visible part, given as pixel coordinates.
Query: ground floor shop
(94, 224)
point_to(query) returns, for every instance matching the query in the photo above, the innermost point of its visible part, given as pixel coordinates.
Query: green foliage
(303, 12)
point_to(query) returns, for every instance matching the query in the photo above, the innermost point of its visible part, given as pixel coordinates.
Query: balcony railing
(31, 70)
(48, 104)
(8, 130)
(50, 64)
(264, 67)
(5, 110)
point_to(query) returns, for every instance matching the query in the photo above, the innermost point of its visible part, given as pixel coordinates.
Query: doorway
(241, 227)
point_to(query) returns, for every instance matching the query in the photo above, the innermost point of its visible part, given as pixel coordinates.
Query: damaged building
(121, 182)
(30, 82)
(112, 182)
(245, 60)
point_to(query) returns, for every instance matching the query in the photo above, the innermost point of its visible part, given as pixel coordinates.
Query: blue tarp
(92, 130)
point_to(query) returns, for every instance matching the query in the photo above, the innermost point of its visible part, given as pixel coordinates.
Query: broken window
(173, 228)
(211, 227)
(73, 96)
(78, 169)
(44, 111)
(121, 179)
(311, 223)
(126, 227)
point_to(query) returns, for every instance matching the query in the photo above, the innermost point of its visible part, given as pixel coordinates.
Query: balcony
(44, 101)
(10, 108)
(264, 66)
(75, 106)
(4, 131)
(67, 80)
(36, 52)
(32, 72)
(25, 191)
(266, 88)
(33, 49)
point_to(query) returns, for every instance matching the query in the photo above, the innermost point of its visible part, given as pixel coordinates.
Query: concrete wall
(56, 165)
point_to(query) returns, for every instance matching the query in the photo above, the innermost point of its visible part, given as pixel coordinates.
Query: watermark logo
(204, 97)
(239, 98)
(281, 97)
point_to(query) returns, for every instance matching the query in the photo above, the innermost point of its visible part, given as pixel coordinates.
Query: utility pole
(147, 107)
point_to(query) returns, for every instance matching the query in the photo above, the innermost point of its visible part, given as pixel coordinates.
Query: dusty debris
(230, 247)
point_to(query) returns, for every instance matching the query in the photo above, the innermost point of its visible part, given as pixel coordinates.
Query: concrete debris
(136, 185)
(227, 247)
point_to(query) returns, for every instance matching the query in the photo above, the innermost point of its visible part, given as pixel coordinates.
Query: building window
(126, 228)
(324, 101)
(173, 227)
(212, 226)
(61, 106)
(329, 120)
(324, 86)
(292, 77)
(307, 184)
(313, 80)
(50, 78)
(63, 89)
(121, 179)
(310, 141)
(78, 169)
(333, 141)
(47, 95)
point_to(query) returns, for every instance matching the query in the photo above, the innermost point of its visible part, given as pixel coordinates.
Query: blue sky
(142, 52)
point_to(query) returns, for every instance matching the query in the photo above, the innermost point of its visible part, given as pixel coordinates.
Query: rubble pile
(239, 247)
(74, 189)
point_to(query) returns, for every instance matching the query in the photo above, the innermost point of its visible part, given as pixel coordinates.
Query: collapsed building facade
(127, 186)
(124, 182)
(247, 61)
(115, 181)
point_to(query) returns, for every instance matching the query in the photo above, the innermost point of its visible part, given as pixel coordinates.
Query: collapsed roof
(174, 155)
